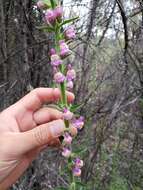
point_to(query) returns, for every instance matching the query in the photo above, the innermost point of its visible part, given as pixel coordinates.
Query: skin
(26, 128)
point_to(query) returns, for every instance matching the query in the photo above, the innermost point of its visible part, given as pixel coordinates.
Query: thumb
(39, 136)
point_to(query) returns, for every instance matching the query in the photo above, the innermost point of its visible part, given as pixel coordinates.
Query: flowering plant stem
(62, 85)
(64, 76)
(63, 97)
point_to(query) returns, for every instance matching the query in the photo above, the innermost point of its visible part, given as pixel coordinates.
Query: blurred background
(108, 57)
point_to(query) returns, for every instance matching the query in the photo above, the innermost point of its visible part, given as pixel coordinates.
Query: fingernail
(73, 96)
(57, 128)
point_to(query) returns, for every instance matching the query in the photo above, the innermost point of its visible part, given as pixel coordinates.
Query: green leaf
(61, 106)
(45, 28)
(80, 151)
(80, 185)
(73, 108)
(72, 186)
(69, 21)
(52, 3)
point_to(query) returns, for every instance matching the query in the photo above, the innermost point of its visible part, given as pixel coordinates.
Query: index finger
(36, 98)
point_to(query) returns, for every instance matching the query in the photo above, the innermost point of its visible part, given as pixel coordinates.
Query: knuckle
(41, 135)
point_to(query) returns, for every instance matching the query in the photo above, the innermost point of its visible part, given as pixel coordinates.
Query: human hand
(25, 129)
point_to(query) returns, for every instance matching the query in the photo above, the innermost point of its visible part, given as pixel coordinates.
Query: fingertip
(71, 96)
(57, 128)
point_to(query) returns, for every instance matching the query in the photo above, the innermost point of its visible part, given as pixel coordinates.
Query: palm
(25, 115)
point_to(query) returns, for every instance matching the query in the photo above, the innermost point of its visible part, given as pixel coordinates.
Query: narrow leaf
(69, 21)
(75, 107)
(46, 28)
(52, 3)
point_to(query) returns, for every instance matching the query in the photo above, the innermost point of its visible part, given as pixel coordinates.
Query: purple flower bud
(69, 66)
(52, 51)
(70, 33)
(67, 139)
(61, 42)
(66, 152)
(50, 16)
(79, 123)
(67, 115)
(55, 70)
(71, 74)
(59, 77)
(64, 49)
(40, 4)
(58, 12)
(55, 60)
(77, 172)
(73, 130)
(69, 85)
(78, 163)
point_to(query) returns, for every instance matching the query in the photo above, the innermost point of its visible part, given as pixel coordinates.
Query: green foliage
(75, 107)
(118, 183)
(51, 3)
(46, 28)
(68, 21)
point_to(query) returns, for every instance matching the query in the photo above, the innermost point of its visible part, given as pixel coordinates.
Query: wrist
(6, 167)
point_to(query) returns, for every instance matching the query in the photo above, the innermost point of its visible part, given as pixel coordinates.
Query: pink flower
(52, 51)
(67, 139)
(79, 123)
(40, 4)
(70, 33)
(71, 74)
(77, 172)
(67, 115)
(58, 12)
(69, 85)
(50, 16)
(64, 49)
(59, 77)
(73, 130)
(55, 60)
(66, 152)
(78, 163)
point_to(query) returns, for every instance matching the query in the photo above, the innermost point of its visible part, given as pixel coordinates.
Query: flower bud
(58, 12)
(73, 130)
(64, 49)
(77, 172)
(67, 139)
(67, 115)
(52, 51)
(66, 152)
(69, 85)
(79, 123)
(40, 4)
(55, 60)
(71, 74)
(50, 16)
(70, 33)
(59, 77)
(78, 163)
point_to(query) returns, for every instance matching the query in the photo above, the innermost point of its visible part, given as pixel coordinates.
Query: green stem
(72, 186)
(62, 85)
(63, 94)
